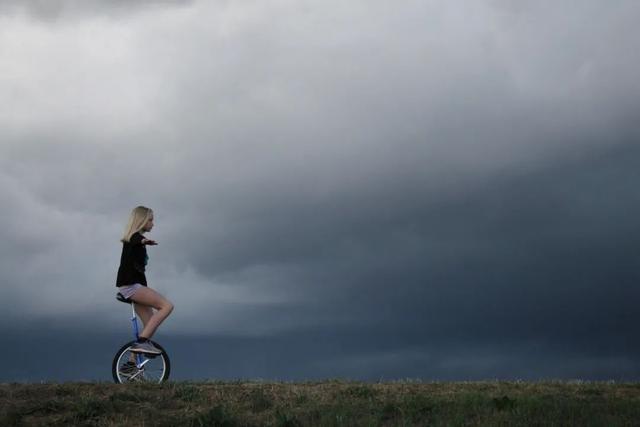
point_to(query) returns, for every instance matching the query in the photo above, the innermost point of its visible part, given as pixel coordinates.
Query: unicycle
(130, 367)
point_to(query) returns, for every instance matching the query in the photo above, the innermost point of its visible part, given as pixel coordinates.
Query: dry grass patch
(330, 403)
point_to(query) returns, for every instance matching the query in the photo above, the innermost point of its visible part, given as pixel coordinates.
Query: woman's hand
(149, 242)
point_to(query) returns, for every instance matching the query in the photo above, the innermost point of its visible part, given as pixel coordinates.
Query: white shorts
(128, 291)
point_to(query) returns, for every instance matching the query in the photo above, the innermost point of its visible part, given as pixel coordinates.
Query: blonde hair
(137, 220)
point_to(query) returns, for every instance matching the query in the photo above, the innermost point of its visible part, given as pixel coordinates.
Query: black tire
(159, 373)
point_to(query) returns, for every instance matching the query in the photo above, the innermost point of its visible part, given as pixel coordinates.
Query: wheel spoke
(145, 369)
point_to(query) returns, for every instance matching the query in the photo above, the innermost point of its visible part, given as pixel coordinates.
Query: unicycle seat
(121, 298)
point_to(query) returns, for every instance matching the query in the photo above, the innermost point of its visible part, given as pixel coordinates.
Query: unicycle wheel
(129, 367)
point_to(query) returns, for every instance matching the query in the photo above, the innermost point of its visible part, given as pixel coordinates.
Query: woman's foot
(145, 347)
(129, 368)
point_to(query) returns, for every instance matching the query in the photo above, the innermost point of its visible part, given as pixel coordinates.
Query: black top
(132, 262)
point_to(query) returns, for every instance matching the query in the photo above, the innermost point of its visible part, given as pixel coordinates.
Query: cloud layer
(402, 177)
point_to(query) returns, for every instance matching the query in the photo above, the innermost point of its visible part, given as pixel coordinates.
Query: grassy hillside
(330, 403)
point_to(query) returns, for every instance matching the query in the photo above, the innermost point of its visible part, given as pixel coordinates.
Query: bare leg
(144, 312)
(150, 298)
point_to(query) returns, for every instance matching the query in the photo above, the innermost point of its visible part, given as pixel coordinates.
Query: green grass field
(328, 403)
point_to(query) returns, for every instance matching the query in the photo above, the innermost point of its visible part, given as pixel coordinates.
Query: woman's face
(149, 225)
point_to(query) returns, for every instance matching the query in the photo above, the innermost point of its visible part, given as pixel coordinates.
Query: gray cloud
(56, 10)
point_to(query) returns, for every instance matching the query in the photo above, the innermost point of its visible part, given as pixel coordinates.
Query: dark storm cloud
(541, 255)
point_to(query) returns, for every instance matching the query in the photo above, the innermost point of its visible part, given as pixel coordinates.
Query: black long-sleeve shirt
(132, 262)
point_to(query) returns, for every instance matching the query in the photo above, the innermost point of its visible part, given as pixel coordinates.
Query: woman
(132, 282)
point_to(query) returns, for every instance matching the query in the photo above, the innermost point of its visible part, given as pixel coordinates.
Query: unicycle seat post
(134, 321)
(136, 335)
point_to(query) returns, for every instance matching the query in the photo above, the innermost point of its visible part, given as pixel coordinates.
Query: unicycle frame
(142, 360)
(134, 321)
(136, 331)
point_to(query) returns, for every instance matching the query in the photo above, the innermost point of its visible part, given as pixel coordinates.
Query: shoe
(145, 347)
(128, 368)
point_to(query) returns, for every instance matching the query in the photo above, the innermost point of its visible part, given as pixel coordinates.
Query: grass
(328, 403)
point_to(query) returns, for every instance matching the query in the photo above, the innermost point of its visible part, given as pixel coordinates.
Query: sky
(370, 190)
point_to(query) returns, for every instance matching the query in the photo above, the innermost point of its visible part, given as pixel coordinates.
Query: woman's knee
(167, 306)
